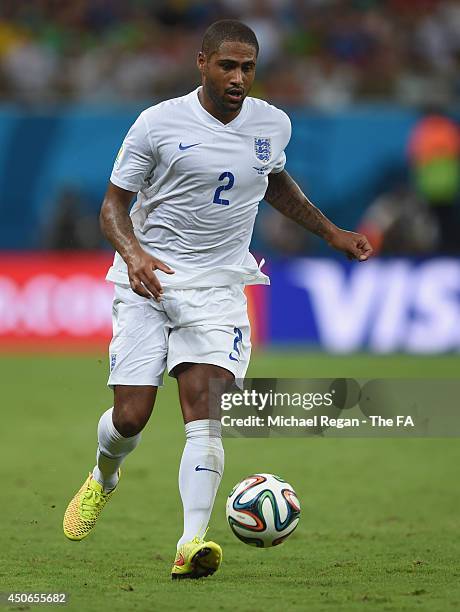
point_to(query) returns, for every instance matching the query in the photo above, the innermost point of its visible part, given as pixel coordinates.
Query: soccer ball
(263, 510)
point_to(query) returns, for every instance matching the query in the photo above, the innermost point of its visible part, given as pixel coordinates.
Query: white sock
(112, 450)
(200, 473)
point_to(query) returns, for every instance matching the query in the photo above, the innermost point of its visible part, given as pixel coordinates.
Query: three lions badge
(263, 149)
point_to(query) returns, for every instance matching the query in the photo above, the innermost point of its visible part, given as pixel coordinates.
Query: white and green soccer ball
(263, 510)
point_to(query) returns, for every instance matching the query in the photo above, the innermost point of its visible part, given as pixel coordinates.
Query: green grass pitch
(379, 530)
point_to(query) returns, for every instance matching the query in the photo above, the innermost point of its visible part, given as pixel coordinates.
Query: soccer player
(199, 164)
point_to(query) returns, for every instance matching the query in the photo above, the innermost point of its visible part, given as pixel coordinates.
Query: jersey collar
(209, 119)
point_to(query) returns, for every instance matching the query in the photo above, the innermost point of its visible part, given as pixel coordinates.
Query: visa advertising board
(383, 306)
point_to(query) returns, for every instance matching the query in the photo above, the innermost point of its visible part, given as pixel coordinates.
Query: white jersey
(199, 183)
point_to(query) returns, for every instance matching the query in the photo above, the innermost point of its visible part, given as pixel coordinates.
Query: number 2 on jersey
(225, 187)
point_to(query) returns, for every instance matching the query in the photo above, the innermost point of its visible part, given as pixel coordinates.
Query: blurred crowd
(322, 53)
(421, 215)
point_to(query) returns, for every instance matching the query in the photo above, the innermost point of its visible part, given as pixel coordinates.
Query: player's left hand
(355, 246)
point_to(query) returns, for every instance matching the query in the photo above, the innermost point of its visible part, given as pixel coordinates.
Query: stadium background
(373, 90)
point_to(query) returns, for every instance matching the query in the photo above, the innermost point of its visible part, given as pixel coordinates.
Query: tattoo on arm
(285, 195)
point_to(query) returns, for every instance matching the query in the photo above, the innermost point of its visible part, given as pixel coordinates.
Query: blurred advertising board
(54, 300)
(384, 306)
(58, 301)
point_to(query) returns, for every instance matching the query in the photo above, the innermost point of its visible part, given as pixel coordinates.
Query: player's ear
(201, 61)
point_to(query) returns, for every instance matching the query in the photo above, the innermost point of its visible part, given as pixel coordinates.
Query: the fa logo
(263, 149)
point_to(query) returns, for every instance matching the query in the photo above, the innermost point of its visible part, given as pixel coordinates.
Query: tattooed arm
(285, 195)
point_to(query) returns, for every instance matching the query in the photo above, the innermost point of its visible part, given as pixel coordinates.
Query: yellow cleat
(84, 509)
(196, 559)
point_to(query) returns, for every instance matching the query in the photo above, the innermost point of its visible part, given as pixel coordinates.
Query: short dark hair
(227, 30)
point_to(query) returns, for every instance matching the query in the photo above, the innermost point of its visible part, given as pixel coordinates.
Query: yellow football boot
(196, 559)
(84, 509)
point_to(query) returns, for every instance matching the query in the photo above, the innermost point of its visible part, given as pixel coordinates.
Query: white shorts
(208, 325)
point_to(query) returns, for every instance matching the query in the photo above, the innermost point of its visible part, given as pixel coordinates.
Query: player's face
(227, 77)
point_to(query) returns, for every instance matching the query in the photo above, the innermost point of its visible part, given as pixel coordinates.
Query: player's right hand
(141, 274)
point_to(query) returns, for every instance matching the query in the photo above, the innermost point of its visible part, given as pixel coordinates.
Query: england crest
(263, 149)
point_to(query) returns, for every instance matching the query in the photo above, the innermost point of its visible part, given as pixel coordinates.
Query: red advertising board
(54, 300)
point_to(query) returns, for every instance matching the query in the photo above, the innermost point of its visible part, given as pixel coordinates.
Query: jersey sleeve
(280, 161)
(135, 159)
